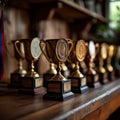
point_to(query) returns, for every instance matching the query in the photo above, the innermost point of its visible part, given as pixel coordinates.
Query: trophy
(91, 75)
(101, 56)
(77, 55)
(57, 51)
(32, 82)
(109, 67)
(16, 76)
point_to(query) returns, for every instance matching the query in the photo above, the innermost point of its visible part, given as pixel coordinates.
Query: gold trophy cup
(57, 51)
(32, 82)
(16, 76)
(102, 55)
(77, 55)
(91, 74)
(109, 67)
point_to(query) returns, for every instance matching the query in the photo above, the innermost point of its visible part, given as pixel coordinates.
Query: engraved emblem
(35, 48)
(80, 50)
(62, 50)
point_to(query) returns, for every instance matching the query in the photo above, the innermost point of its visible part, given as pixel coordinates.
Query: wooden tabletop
(27, 107)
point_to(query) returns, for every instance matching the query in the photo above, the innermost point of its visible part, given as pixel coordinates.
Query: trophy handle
(70, 46)
(18, 42)
(43, 46)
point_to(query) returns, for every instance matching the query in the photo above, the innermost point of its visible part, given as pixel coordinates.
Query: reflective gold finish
(32, 53)
(56, 51)
(102, 55)
(110, 53)
(77, 55)
(19, 54)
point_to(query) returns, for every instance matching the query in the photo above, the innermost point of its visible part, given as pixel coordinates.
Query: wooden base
(31, 85)
(58, 90)
(93, 81)
(78, 85)
(103, 78)
(15, 80)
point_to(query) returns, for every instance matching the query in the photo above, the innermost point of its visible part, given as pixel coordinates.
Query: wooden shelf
(100, 102)
(64, 8)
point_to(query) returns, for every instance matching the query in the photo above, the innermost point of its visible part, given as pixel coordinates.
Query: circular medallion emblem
(92, 49)
(35, 48)
(80, 50)
(62, 50)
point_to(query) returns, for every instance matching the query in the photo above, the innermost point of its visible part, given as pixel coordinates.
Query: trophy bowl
(77, 55)
(57, 51)
(32, 82)
(19, 54)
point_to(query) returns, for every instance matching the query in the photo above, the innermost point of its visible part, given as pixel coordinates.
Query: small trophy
(109, 67)
(78, 80)
(91, 75)
(16, 76)
(32, 82)
(57, 50)
(102, 55)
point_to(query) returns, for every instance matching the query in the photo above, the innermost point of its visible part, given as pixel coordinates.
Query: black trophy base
(117, 73)
(78, 85)
(103, 78)
(93, 81)
(15, 80)
(46, 77)
(111, 76)
(59, 90)
(31, 85)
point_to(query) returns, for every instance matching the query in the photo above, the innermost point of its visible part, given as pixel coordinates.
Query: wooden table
(96, 104)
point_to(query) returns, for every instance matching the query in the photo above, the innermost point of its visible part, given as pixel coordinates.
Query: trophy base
(117, 73)
(31, 85)
(58, 90)
(78, 85)
(111, 76)
(47, 77)
(93, 81)
(103, 78)
(15, 80)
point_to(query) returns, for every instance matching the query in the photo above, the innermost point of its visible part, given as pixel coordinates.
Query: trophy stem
(58, 76)
(31, 72)
(52, 69)
(77, 72)
(20, 69)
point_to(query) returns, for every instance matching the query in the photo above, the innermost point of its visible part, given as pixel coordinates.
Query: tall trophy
(19, 73)
(91, 74)
(32, 82)
(77, 55)
(109, 67)
(101, 56)
(57, 50)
